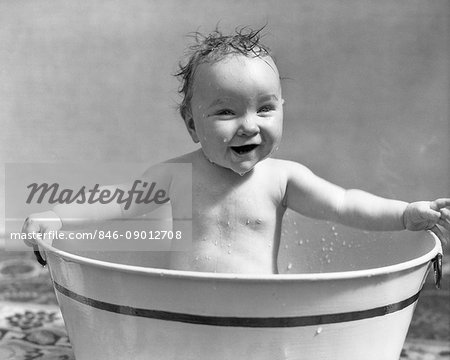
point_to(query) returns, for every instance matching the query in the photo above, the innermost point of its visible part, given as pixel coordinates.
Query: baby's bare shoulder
(290, 173)
(188, 158)
(164, 173)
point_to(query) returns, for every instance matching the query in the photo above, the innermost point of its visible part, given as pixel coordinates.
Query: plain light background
(366, 84)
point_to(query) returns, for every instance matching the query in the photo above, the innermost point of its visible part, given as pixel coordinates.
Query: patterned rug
(31, 326)
(29, 332)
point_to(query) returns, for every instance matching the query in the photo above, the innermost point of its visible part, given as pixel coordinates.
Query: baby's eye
(266, 108)
(224, 112)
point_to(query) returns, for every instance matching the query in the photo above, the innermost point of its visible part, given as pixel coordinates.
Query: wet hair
(212, 48)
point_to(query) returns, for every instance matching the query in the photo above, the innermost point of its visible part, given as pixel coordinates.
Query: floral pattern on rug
(29, 332)
(425, 350)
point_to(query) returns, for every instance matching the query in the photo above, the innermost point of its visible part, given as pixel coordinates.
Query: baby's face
(237, 111)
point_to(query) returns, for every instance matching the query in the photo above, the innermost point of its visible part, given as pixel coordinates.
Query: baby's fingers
(444, 220)
(444, 223)
(445, 213)
(440, 235)
(30, 227)
(440, 204)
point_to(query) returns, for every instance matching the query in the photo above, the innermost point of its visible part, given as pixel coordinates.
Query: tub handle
(38, 255)
(437, 264)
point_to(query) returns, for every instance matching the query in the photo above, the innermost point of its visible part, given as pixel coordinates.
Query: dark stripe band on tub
(254, 322)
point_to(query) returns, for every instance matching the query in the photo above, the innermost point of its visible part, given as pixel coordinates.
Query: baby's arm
(67, 216)
(312, 196)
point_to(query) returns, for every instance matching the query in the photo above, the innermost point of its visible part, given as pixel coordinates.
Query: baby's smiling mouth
(244, 149)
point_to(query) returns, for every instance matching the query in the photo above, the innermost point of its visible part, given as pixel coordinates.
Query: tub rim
(196, 275)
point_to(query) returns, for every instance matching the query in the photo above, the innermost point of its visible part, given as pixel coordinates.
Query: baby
(233, 107)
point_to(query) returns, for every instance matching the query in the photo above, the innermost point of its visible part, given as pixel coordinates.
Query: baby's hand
(426, 215)
(40, 223)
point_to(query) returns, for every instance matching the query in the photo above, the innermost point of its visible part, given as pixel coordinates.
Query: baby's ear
(190, 125)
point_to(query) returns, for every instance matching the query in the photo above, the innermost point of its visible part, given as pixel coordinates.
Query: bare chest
(246, 208)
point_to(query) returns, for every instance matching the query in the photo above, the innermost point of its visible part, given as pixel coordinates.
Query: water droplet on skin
(229, 244)
(333, 228)
(331, 249)
(323, 240)
(224, 140)
(215, 242)
(289, 267)
(336, 234)
(318, 331)
(300, 242)
(247, 222)
(296, 232)
(324, 249)
(344, 243)
(286, 246)
(328, 261)
(229, 251)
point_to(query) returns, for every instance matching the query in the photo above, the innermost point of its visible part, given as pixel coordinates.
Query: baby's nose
(248, 127)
